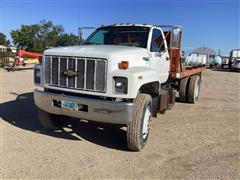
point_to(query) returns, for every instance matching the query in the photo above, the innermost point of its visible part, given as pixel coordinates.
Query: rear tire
(194, 89)
(183, 89)
(50, 121)
(138, 129)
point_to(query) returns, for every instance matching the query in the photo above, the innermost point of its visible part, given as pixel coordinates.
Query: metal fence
(4, 56)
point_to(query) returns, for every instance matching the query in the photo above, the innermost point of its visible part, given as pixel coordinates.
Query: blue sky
(211, 23)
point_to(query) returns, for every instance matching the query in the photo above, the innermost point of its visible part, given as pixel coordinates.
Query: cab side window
(157, 42)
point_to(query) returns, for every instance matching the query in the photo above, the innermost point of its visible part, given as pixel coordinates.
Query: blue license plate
(71, 106)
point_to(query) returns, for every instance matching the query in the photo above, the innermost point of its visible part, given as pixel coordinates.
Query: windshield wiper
(92, 43)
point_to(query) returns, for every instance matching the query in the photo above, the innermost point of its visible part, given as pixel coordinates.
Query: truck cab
(121, 74)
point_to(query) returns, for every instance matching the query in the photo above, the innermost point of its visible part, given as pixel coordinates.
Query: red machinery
(22, 55)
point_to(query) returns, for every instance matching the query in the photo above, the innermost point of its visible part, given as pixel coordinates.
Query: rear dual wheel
(189, 89)
(194, 89)
(183, 89)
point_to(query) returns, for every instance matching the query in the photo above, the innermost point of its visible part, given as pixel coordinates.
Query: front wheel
(138, 129)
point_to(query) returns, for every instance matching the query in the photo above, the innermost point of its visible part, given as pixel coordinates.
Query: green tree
(67, 40)
(26, 37)
(38, 37)
(3, 40)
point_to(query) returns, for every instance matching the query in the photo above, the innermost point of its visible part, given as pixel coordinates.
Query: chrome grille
(90, 73)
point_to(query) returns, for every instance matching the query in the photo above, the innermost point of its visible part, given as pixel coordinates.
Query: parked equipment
(195, 60)
(234, 54)
(4, 56)
(24, 57)
(225, 62)
(217, 62)
(236, 65)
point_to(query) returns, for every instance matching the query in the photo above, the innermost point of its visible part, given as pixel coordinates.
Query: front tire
(49, 121)
(138, 129)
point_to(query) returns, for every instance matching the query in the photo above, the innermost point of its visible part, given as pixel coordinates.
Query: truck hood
(95, 51)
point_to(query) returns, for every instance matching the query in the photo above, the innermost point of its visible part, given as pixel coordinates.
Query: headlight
(120, 85)
(37, 74)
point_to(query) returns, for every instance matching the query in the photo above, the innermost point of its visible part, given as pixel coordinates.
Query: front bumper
(97, 110)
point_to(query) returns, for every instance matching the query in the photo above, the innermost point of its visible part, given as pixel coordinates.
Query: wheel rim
(146, 122)
(196, 93)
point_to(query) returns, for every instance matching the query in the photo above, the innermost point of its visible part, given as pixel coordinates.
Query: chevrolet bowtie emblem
(70, 73)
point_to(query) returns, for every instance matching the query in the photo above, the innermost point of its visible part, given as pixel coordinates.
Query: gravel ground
(198, 141)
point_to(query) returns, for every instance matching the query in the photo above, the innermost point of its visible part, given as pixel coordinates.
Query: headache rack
(173, 36)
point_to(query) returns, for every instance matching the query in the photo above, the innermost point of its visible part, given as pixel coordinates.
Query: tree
(26, 37)
(3, 40)
(38, 37)
(67, 40)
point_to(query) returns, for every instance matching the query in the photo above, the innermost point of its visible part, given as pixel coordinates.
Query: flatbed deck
(187, 72)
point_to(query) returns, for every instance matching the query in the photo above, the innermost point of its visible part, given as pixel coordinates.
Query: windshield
(119, 35)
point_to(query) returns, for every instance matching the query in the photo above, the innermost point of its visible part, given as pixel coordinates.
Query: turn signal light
(123, 65)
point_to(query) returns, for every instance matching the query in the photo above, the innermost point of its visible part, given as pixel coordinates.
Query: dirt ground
(198, 141)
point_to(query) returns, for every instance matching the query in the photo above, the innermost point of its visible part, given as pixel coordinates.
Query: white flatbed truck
(121, 74)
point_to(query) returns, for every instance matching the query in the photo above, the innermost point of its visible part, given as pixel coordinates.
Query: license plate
(71, 106)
